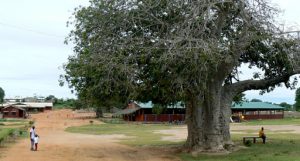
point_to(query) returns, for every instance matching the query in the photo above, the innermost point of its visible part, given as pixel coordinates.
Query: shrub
(31, 123)
(1, 140)
(248, 143)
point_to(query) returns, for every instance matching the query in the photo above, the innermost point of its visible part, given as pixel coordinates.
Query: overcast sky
(32, 49)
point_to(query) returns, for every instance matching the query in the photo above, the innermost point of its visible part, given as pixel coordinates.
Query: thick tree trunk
(195, 121)
(226, 103)
(99, 112)
(208, 121)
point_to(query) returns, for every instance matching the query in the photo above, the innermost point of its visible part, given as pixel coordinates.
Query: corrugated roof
(150, 105)
(126, 111)
(29, 104)
(38, 104)
(256, 105)
(14, 107)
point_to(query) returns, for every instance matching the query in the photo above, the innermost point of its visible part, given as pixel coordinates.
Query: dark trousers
(32, 144)
(264, 138)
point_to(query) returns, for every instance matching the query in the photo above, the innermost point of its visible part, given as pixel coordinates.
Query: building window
(14, 113)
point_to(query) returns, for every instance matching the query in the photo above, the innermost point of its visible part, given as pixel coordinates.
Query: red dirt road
(57, 145)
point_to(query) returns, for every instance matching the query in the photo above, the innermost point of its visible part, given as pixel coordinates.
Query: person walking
(32, 136)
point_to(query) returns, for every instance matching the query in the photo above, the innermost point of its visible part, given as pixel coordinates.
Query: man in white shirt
(32, 136)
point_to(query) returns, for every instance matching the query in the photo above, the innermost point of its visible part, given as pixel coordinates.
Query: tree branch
(260, 84)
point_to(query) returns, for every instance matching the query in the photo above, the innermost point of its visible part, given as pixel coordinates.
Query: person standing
(32, 136)
(262, 135)
(36, 141)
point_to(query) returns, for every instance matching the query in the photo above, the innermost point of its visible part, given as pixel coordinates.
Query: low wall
(256, 117)
(162, 117)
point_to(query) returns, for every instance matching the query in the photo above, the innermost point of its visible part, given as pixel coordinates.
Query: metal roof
(20, 108)
(150, 105)
(126, 111)
(29, 104)
(256, 105)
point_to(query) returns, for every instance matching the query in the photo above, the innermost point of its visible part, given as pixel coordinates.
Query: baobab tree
(180, 50)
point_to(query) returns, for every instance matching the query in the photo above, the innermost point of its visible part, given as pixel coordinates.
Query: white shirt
(32, 131)
(36, 140)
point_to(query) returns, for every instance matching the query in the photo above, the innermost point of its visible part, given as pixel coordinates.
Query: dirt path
(58, 145)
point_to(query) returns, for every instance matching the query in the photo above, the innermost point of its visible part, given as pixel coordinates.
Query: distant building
(13, 100)
(258, 110)
(143, 112)
(30, 106)
(12, 111)
(35, 99)
(249, 110)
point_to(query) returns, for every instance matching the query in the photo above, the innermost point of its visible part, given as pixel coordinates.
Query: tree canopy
(285, 105)
(256, 100)
(180, 50)
(297, 99)
(2, 95)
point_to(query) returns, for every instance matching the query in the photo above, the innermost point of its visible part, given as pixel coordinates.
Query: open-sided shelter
(144, 112)
(258, 110)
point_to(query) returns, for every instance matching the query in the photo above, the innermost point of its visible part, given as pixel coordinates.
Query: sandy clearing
(58, 145)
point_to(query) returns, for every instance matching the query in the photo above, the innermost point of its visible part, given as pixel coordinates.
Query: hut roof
(256, 105)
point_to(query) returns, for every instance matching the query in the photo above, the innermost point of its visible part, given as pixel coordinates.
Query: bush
(1, 140)
(31, 123)
(248, 143)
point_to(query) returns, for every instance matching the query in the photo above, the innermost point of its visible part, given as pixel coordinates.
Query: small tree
(285, 105)
(2, 94)
(297, 99)
(51, 98)
(256, 100)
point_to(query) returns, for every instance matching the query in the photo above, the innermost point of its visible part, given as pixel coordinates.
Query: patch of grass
(279, 147)
(112, 120)
(138, 134)
(12, 120)
(249, 131)
(285, 121)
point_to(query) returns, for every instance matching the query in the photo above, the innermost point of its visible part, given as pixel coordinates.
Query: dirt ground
(57, 145)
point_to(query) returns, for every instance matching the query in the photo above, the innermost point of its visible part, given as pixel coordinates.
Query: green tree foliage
(239, 98)
(158, 109)
(297, 99)
(2, 95)
(285, 105)
(256, 100)
(65, 103)
(179, 50)
(51, 98)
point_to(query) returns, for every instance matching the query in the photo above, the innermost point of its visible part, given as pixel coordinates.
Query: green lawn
(280, 146)
(14, 126)
(285, 121)
(13, 120)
